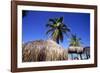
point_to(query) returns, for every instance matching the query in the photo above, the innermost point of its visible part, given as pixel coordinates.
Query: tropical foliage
(24, 13)
(57, 29)
(75, 41)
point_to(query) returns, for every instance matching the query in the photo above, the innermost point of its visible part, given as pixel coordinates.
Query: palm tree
(57, 29)
(75, 42)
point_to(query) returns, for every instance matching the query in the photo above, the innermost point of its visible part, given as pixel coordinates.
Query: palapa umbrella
(43, 50)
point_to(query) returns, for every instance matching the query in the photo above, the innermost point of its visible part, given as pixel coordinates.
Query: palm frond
(50, 25)
(75, 41)
(24, 13)
(50, 30)
(57, 29)
(61, 35)
(53, 21)
(60, 20)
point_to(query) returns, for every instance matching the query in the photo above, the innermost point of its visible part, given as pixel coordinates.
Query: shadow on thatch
(43, 50)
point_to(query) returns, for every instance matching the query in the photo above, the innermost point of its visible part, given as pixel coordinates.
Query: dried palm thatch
(75, 49)
(41, 50)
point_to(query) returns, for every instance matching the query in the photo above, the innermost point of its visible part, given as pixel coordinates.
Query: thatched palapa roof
(75, 49)
(43, 50)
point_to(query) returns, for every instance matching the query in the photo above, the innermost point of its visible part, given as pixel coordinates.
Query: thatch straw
(75, 49)
(41, 50)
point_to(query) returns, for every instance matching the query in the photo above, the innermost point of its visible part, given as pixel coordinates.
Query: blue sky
(34, 25)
